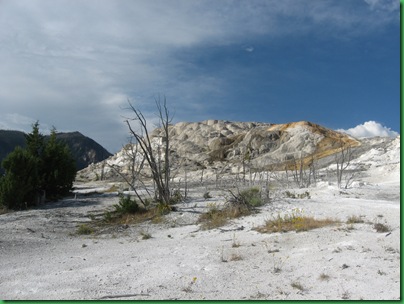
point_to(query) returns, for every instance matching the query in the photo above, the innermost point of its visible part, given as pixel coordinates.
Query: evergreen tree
(18, 187)
(35, 141)
(59, 168)
(42, 167)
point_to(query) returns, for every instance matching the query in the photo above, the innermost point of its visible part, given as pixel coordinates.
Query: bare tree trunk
(186, 183)
(343, 160)
(160, 172)
(135, 168)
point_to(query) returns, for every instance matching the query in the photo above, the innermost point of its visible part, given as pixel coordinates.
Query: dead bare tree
(343, 159)
(157, 155)
(303, 172)
(298, 170)
(133, 177)
(313, 170)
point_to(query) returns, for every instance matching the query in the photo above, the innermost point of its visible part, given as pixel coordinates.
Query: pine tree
(43, 167)
(18, 187)
(58, 170)
(35, 141)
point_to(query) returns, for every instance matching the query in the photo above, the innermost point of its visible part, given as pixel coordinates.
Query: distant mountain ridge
(84, 149)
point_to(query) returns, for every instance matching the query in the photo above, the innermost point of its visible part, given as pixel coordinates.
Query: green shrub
(251, 197)
(108, 216)
(85, 229)
(127, 205)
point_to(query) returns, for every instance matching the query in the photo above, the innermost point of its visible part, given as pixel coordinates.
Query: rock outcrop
(218, 143)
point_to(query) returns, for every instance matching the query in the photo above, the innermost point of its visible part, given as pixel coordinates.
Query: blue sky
(73, 64)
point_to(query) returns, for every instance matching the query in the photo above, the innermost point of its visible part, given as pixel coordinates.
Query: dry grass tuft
(113, 188)
(115, 218)
(379, 227)
(213, 219)
(294, 222)
(324, 277)
(85, 229)
(346, 295)
(353, 219)
(236, 257)
(145, 235)
(216, 217)
(235, 243)
(298, 286)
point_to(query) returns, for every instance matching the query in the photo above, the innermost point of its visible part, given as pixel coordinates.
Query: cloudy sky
(73, 64)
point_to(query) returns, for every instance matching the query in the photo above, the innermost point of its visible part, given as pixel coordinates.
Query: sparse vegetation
(379, 227)
(153, 215)
(235, 257)
(85, 229)
(298, 286)
(108, 217)
(346, 295)
(278, 263)
(303, 195)
(295, 221)
(131, 211)
(176, 197)
(251, 197)
(216, 217)
(246, 200)
(353, 219)
(324, 277)
(113, 188)
(235, 243)
(127, 205)
(190, 285)
(207, 195)
(222, 258)
(145, 235)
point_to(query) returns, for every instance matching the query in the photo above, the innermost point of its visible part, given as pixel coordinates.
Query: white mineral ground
(41, 257)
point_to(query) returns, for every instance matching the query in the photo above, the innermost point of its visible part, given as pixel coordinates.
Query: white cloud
(370, 129)
(387, 5)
